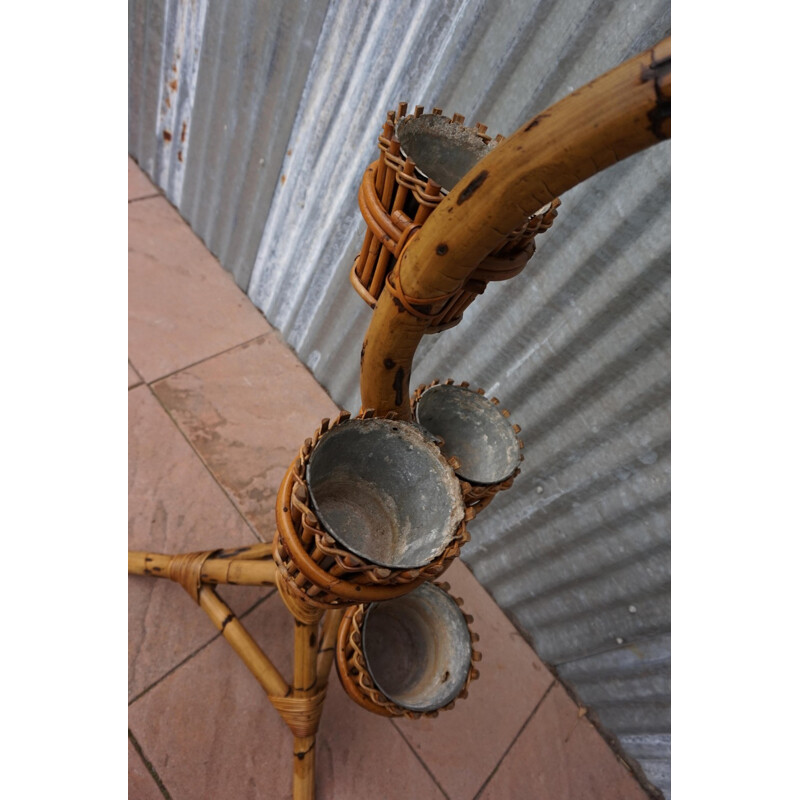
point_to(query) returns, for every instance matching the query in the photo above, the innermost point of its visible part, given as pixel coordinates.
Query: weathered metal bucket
(383, 491)
(476, 432)
(369, 510)
(410, 656)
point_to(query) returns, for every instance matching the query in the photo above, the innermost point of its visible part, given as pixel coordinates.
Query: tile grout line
(419, 758)
(214, 355)
(207, 467)
(202, 647)
(514, 740)
(149, 766)
(144, 197)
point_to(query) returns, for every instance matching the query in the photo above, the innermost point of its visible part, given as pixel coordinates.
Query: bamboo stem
(618, 114)
(327, 645)
(216, 570)
(245, 646)
(305, 679)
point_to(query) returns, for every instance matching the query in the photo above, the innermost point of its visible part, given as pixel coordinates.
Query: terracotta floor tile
(138, 183)
(182, 306)
(561, 756)
(247, 412)
(134, 379)
(174, 506)
(462, 746)
(209, 731)
(141, 784)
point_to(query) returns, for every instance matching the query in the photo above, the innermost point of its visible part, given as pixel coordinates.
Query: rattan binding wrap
(396, 199)
(319, 572)
(352, 669)
(476, 496)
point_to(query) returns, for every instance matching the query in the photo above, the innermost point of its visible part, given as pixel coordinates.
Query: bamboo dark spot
(535, 121)
(398, 386)
(661, 111)
(302, 755)
(472, 187)
(441, 249)
(388, 363)
(156, 569)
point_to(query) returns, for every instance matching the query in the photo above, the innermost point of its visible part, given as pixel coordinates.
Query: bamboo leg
(327, 646)
(240, 640)
(305, 679)
(245, 568)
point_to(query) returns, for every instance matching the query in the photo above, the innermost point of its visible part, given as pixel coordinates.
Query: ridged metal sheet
(282, 103)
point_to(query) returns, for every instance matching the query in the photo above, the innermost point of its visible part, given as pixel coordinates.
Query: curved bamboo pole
(618, 114)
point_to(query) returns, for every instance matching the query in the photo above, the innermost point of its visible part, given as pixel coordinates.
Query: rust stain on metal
(283, 179)
(167, 136)
(173, 84)
(473, 187)
(183, 132)
(180, 155)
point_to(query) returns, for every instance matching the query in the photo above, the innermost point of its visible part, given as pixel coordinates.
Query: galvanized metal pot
(369, 510)
(411, 656)
(475, 431)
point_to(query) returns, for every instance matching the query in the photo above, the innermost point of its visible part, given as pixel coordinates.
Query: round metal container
(417, 648)
(382, 490)
(442, 150)
(474, 430)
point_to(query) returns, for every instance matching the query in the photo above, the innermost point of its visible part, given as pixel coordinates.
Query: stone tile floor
(218, 406)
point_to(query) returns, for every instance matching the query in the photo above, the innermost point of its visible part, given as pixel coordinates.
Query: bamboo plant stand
(619, 114)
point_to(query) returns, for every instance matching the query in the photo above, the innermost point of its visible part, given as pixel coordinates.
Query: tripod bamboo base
(299, 704)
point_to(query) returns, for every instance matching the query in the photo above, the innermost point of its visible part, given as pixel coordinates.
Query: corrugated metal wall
(258, 119)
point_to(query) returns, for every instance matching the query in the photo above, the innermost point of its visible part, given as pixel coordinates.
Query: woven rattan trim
(301, 714)
(186, 569)
(300, 610)
(416, 305)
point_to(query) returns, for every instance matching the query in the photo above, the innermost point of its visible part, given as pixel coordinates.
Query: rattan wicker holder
(355, 677)
(317, 570)
(396, 198)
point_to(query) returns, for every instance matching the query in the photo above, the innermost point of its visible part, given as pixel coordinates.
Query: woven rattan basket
(396, 198)
(359, 683)
(316, 568)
